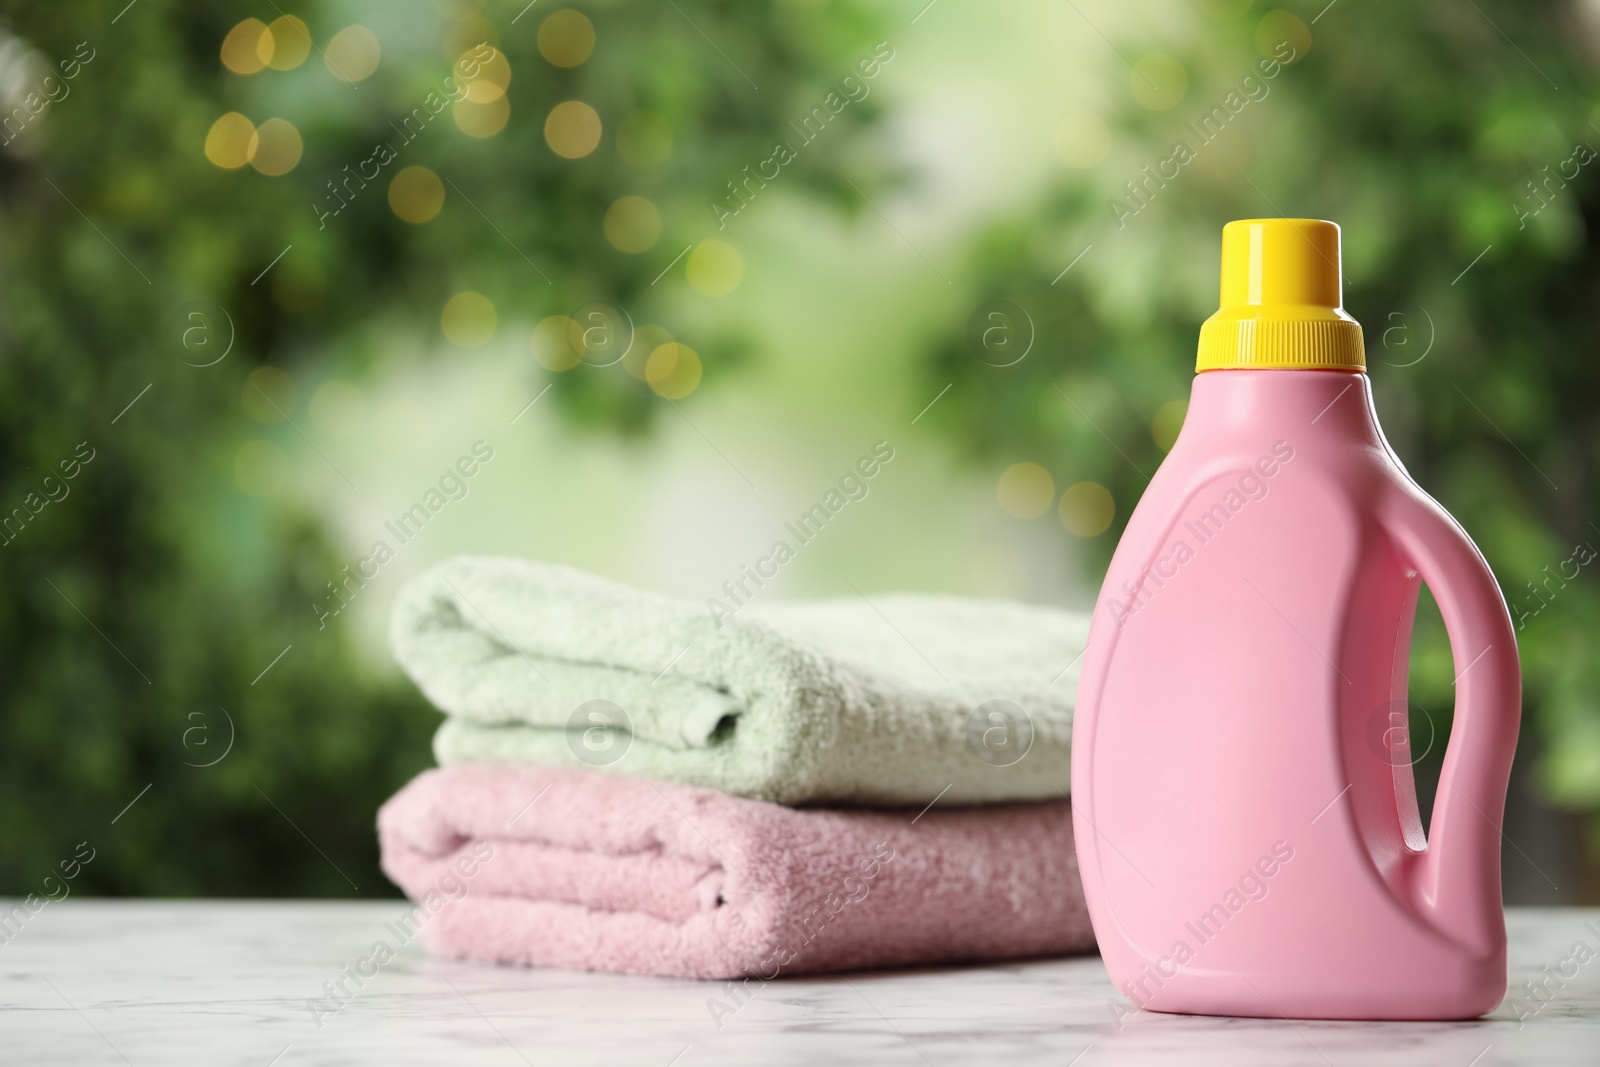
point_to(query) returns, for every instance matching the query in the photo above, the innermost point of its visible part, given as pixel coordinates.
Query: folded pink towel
(581, 870)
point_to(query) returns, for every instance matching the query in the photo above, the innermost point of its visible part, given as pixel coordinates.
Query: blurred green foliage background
(274, 267)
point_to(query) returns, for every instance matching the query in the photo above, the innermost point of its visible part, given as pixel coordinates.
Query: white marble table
(174, 982)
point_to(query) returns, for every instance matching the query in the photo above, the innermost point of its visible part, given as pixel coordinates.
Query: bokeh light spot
(1082, 140)
(352, 54)
(566, 38)
(338, 409)
(483, 91)
(1279, 28)
(715, 268)
(572, 130)
(278, 147)
(468, 319)
(260, 468)
(287, 44)
(632, 224)
(1158, 81)
(673, 370)
(481, 120)
(231, 141)
(242, 48)
(1087, 509)
(602, 333)
(646, 339)
(1025, 490)
(486, 78)
(552, 344)
(416, 194)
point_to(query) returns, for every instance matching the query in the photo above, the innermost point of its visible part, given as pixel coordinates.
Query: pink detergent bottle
(1246, 821)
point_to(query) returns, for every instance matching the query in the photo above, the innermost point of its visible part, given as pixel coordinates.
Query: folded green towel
(887, 701)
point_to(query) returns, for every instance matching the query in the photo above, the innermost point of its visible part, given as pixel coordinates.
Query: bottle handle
(1458, 874)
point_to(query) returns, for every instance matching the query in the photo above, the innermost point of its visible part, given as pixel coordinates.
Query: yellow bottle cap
(1281, 300)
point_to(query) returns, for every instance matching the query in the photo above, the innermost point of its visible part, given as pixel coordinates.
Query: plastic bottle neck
(1325, 403)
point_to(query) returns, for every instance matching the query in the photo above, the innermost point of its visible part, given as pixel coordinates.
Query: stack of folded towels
(631, 784)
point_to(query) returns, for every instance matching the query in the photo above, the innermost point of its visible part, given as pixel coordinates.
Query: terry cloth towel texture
(579, 870)
(882, 701)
